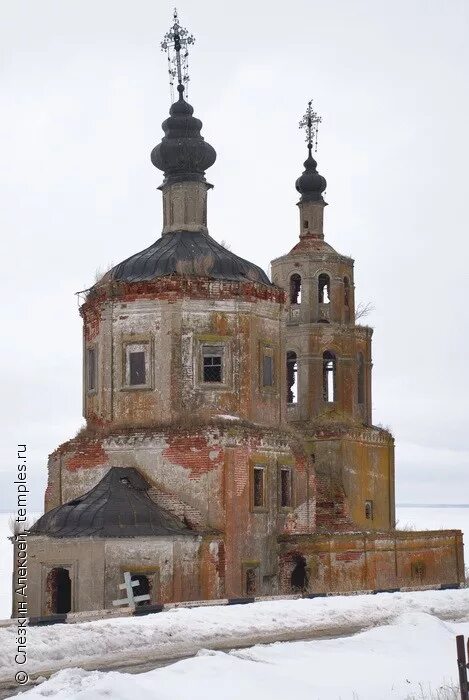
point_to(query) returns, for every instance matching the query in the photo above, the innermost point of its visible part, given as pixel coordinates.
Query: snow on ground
(53, 646)
(415, 653)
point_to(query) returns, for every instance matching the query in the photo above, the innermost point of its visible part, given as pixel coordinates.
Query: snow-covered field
(408, 645)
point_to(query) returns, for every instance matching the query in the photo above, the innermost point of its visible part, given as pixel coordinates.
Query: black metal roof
(118, 506)
(186, 253)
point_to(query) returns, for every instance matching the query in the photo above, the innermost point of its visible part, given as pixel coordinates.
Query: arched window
(329, 364)
(59, 588)
(361, 379)
(324, 288)
(346, 292)
(292, 377)
(295, 289)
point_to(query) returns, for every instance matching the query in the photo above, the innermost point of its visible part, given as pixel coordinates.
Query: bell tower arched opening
(329, 385)
(295, 289)
(292, 377)
(324, 288)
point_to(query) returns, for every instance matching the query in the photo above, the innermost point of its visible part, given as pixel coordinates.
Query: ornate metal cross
(127, 586)
(175, 43)
(310, 123)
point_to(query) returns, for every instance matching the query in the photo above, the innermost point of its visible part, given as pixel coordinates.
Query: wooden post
(462, 667)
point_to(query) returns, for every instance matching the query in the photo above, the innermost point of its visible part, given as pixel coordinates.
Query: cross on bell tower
(311, 184)
(310, 123)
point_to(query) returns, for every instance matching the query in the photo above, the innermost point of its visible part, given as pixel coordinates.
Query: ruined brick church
(229, 447)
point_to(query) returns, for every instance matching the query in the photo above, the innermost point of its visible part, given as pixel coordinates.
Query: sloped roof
(118, 506)
(186, 253)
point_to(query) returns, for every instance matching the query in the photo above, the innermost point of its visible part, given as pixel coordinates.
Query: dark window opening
(267, 370)
(137, 373)
(299, 576)
(295, 289)
(369, 510)
(91, 364)
(329, 376)
(292, 377)
(258, 488)
(305, 223)
(143, 588)
(361, 379)
(346, 292)
(59, 588)
(213, 365)
(285, 487)
(251, 581)
(324, 288)
(417, 570)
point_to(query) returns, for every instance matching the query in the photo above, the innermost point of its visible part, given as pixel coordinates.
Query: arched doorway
(59, 589)
(299, 575)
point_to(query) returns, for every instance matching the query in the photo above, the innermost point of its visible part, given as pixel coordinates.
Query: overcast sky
(83, 93)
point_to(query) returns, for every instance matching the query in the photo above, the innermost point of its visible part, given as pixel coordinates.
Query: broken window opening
(417, 570)
(346, 292)
(91, 366)
(295, 289)
(286, 487)
(299, 576)
(251, 581)
(212, 364)
(59, 588)
(258, 500)
(329, 365)
(267, 370)
(143, 588)
(369, 510)
(361, 379)
(137, 373)
(292, 377)
(324, 288)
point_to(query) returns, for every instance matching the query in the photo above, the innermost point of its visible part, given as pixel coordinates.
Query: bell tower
(329, 368)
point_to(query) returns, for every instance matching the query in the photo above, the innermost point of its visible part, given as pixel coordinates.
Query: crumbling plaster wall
(370, 561)
(175, 330)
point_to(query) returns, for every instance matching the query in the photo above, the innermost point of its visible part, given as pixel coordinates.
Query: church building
(229, 448)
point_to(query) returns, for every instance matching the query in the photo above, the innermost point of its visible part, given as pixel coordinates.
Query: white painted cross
(127, 586)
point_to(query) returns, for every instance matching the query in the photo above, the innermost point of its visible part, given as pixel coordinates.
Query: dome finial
(175, 43)
(311, 185)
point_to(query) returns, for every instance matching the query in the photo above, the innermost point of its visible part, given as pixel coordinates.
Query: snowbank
(405, 659)
(183, 631)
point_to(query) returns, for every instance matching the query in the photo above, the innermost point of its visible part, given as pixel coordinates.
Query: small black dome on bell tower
(310, 184)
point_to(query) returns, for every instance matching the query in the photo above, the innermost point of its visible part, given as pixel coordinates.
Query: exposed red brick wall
(86, 456)
(173, 288)
(193, 452)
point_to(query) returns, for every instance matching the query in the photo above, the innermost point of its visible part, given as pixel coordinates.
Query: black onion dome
(186, 253)
(311, 184)
(118, 506)
(183, 154)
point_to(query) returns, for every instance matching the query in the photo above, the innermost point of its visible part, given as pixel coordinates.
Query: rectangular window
(91, 369)
(250, 581)
(137, 365)
(258, 485)
(137, 374)
(267, 370)
(369, 510)
(212, 364)
(286, 487)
